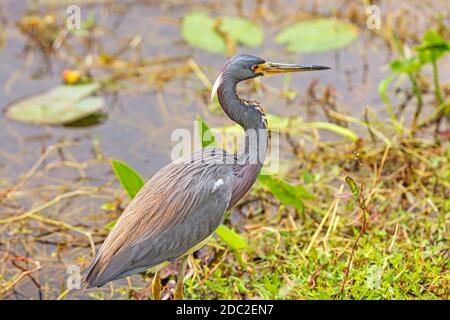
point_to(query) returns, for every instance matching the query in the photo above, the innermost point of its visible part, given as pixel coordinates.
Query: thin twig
(22, 275)
(362, 205)
(44, 206)
(33, 169)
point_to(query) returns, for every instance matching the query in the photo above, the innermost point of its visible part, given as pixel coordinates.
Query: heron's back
(181, 205)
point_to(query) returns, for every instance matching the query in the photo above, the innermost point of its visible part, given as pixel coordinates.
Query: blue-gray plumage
(184, 203)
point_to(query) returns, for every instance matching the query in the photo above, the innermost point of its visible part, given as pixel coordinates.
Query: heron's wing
(177, 208)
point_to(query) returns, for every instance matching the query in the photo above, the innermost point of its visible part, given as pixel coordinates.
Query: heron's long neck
(250, 116)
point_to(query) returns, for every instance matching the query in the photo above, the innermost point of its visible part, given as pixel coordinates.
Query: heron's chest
(244, 178)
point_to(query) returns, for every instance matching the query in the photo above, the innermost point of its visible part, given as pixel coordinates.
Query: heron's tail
(91, 275)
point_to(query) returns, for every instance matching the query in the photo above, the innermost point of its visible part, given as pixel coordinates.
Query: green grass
(412, 270)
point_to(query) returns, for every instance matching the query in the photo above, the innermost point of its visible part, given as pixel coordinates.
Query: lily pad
(61, 105)
(243, 31)
(91, 120)
(198, 30)
(317, 35)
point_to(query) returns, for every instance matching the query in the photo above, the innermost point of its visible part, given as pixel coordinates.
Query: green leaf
(383, 88)
(275, 122)
(308, 177)
(410, 65)
(432, 47)
(353, 186)
(110, 225)
(60, 105)
(231, 238)
(93, 119)
(243, 31)
(109, 206)
(286, 193)
(130, 180)
(292, 126)
(197, 29)
(347, 133)
(208, 138)
(317, 35)
(447, 205)
(383, 92)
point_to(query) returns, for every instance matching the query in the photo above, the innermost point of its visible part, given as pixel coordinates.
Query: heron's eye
(258, 68)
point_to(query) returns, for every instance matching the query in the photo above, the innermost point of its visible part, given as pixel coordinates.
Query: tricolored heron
(182, 205)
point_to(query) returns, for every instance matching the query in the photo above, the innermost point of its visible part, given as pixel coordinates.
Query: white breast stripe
(217, 184)
(216, 86)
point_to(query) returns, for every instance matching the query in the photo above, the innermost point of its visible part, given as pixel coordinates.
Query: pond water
(140, 121)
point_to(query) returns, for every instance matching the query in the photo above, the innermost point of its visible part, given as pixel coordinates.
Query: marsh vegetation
(359, 209)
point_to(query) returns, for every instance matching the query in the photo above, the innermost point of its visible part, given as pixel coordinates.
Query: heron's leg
(178, 294)
(156, 286)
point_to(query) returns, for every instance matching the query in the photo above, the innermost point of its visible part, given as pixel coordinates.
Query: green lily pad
(60, 105)
(198, 30)
(317, 35)
(243, 31)
(91, 120)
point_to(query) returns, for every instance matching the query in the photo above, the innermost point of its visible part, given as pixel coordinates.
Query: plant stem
(437, 91)
(419, 100)
(437, 88)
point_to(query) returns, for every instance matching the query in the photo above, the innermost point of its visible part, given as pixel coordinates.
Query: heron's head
(243, 67)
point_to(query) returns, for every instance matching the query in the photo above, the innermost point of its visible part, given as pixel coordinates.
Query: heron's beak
(275, 68)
